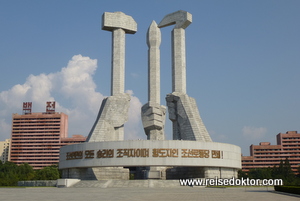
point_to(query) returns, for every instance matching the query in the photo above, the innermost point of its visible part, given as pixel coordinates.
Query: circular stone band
(150, 153)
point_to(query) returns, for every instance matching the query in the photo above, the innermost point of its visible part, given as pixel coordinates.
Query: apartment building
(4, 150)
(266, 155)
(36, 138)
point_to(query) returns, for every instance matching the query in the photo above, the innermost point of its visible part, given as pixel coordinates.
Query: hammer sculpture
(109, 125)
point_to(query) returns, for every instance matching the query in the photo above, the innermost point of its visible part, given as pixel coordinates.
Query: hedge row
(288, 189)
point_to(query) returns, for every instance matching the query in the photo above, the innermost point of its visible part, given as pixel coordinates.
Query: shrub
(288, 189)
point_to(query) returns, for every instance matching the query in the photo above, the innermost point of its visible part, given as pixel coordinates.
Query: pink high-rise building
(266, 155)
(37, 137)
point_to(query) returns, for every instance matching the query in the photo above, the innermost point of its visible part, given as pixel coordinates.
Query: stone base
(99, 173)
(213, 172)
(160, 173)
(185, 172)
(200, 172)
(61, 183)
(156, 173)
(150, 173)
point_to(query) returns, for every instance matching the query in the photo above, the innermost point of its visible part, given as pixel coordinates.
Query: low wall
(46, 183)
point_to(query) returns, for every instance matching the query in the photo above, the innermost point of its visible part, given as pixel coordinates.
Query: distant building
(36, 138)
(4, 150)
(266, 155)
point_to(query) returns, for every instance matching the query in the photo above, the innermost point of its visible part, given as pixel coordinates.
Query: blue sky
(243, 63)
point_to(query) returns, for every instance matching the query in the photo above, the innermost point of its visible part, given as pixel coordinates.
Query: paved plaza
(140, 194)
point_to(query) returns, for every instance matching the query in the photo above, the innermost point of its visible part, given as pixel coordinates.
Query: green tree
(288, 173)
(260, 173)
(25, 172)
(8, 174)
(284, 172)
(242, 174)
(47, 173)
(277, 172)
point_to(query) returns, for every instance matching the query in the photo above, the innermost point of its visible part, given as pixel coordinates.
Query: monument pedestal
(158, 173)
(191, 153)
(220, 172)
(185, 172)
(96, 173)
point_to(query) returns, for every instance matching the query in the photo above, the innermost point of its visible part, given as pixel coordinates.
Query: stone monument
(153, 114)
(113, 113)
(109, 125)
(183, 110)
(190, 154)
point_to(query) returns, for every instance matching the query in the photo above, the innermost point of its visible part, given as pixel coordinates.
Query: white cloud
(217, 137)
(254, 133)
(74, 91)
(39, 88)
(133, 126)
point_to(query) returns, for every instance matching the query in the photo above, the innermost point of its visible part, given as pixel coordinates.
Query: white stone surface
(178, 61)
(153, 119)
(118, 62)
(187, 123)
(183, 110)
(153, 114)
(113, 112)
(111, 21)
(230, 154)
(119, 24)
(153, 42)
(110, 121)
(182, 20)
